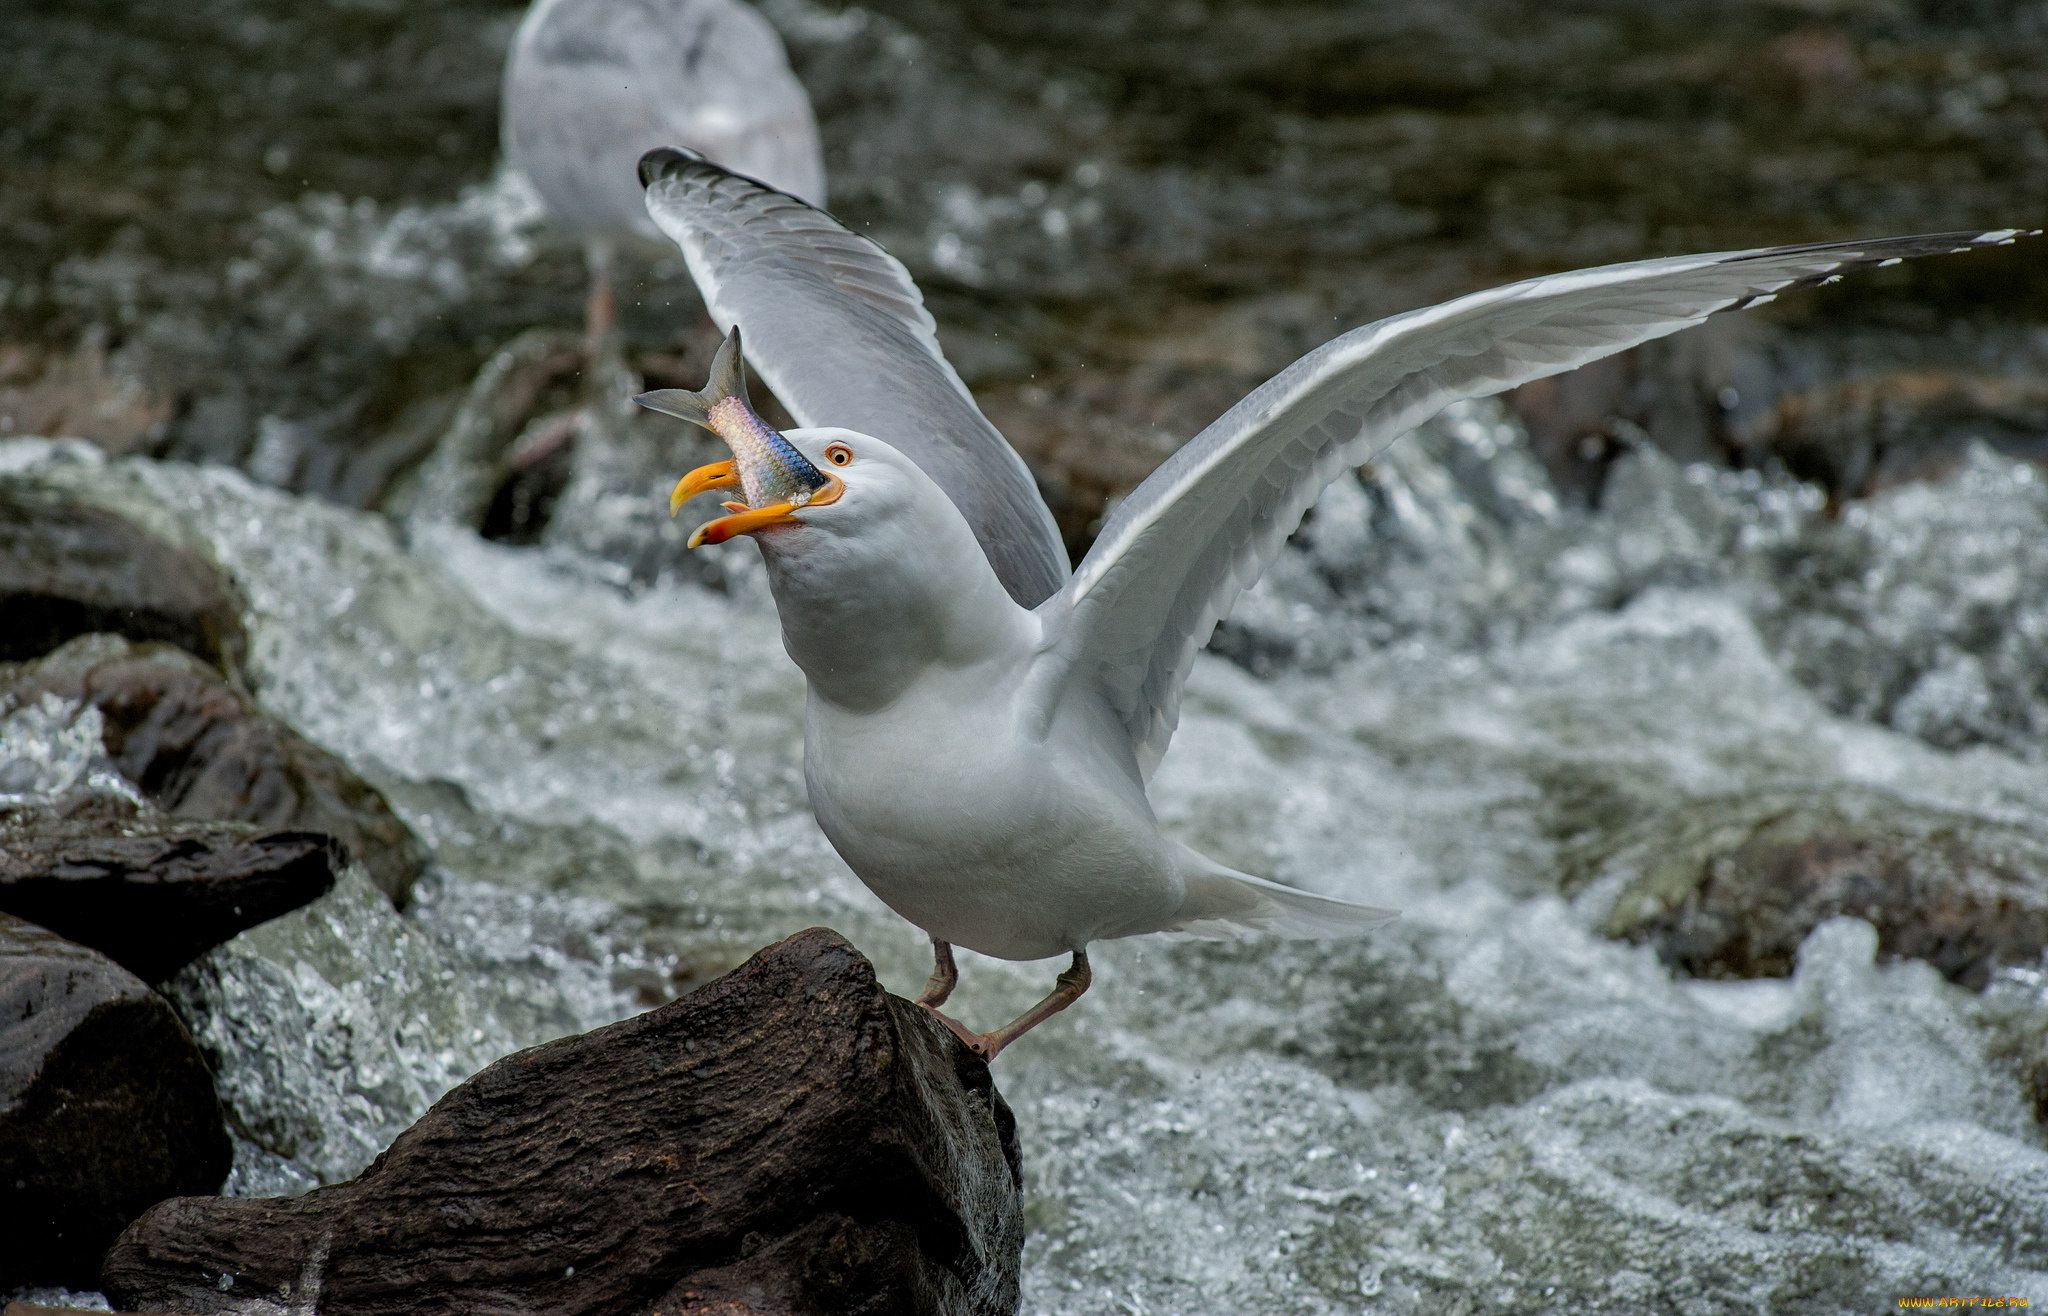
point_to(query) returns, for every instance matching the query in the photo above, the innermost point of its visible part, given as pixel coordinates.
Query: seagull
(980, 724)
(591, 84)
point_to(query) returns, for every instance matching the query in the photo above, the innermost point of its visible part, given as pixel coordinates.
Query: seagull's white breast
(981, 835)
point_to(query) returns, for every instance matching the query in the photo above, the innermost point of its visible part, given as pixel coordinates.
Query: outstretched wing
(1175, 554)
(839, 331)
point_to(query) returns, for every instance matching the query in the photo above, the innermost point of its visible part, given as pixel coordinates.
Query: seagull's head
(875, 571)
(832, 480)
(876, 576)
(842, 486)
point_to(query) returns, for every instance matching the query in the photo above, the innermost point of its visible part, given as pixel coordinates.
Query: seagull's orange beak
(745, 520)
(718, 475)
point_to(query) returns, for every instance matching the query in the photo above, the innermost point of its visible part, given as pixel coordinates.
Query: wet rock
(494, 438)
(105, 1107)
(547, 448)
(1682, 394)
(88, 393)
(1729, 888)
(67, 569)
(154, 893)
(1860, 436)
(335, 1028)
(199, 749)
(1571, 421)
(790, 1138)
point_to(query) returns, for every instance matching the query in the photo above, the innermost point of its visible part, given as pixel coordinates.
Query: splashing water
(51, 758)
(1487, 1107)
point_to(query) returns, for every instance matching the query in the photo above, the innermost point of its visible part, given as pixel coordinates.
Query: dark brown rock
(788, 1139)
(1858, 437)
(105, 1107)
(832, 1265)
(1570, 419)
(154, 893)
(1729, 888)
(199, 749)
(88, 393)
(68, 569)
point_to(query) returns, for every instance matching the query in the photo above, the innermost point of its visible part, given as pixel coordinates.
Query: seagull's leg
(945, 976)
(1067, 990)
(600, 313)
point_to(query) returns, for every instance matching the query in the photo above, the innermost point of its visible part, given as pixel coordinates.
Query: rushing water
(1488, 1103)
(1492, 683)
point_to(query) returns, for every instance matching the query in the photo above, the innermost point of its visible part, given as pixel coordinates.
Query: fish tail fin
(728, 380)
(1222, 902)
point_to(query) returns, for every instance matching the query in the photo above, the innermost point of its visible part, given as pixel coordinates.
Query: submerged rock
(1730, 888)
(154, 893)
(105, 1107)
(201, 750)
(68, 569)
(788, 1138)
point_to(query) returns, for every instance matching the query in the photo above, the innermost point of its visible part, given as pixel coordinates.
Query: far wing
(839, 331)
(1175, 554)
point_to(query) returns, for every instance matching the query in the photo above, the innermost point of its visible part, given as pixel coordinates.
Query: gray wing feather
(1174, 555)
(839, 331)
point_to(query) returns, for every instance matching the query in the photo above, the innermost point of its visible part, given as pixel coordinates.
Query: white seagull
(591, 85)
(980, 724)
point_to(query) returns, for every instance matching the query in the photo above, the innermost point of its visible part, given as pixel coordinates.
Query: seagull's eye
(839, 454)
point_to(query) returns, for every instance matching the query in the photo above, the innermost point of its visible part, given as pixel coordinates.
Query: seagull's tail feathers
(1222, 902)
(728, 380)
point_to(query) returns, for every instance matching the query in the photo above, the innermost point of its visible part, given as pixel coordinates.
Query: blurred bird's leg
(600, 313)
(944, 977)
(1067, 989)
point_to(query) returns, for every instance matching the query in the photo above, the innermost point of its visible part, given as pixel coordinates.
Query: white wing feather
(1175, 554)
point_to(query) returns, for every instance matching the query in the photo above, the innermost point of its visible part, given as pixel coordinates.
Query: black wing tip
(1922, 244)
(1850, 257)
(665, 162)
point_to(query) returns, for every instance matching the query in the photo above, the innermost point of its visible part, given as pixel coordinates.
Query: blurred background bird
(592, 85)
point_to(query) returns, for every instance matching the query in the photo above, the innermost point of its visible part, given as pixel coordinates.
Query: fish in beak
(767, 468)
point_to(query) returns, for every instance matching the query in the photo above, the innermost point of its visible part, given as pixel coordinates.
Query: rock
(547, 449)
(478, 453)
(154, 893)
(67, 569)
(105, 1107)
(1857, 437)
(201, 750)
(89, 393)
(1571, 421)
(1730, 888)
(789, 1138)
